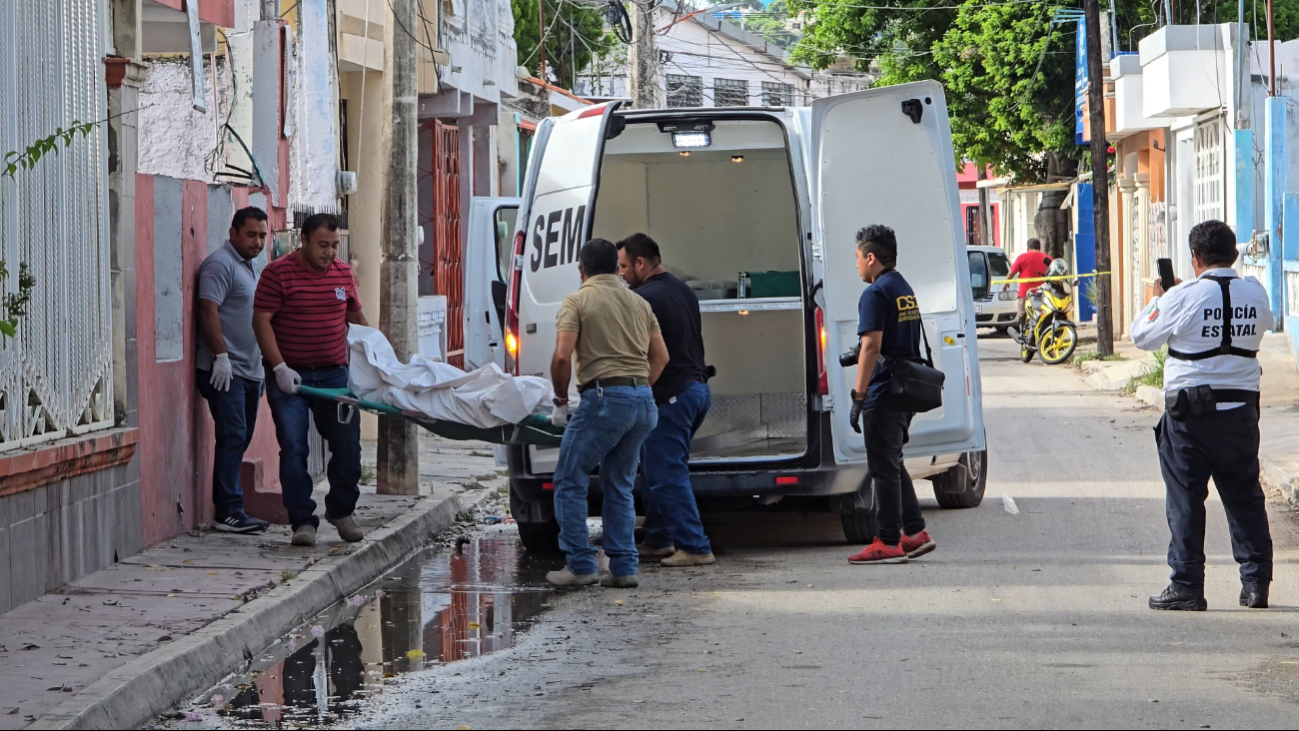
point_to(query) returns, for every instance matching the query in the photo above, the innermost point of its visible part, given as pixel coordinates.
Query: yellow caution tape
(1034, 280)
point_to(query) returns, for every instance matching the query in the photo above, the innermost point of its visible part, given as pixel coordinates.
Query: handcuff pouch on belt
(1185, 403)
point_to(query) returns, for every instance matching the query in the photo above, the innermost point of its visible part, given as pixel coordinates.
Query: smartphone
(1166, 278)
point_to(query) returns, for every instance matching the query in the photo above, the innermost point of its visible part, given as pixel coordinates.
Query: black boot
(1179, 599)
(1253, 596)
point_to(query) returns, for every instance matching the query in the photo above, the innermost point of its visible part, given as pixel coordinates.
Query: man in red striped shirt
(304, 304)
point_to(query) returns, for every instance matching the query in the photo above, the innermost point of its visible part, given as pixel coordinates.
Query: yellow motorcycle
(1049, 330)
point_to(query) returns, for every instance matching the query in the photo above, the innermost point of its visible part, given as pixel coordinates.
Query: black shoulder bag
(914, 386)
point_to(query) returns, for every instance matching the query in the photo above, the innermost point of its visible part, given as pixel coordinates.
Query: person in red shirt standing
(1029, 265)
(304, 304)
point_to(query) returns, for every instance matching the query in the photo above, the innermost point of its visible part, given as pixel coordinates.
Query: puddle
(442, 606)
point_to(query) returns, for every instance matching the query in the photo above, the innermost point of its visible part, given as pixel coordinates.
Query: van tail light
(822, 340)
(512, 309)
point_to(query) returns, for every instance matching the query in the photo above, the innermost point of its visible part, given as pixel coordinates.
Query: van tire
(859, 526)
(963, 486)
(540, 537)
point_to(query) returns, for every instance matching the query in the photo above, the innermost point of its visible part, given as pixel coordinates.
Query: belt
(613, 382)
(1200, 400)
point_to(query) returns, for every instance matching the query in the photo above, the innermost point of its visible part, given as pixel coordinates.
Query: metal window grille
(777, 95)
(1210, 179)
(56, 375)
(730, 93)
(685, 91)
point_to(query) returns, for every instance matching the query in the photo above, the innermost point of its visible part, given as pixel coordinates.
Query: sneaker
(681, 558)
(348, 530)
(566, 577)
(1253, 596)
(240, 524)
(620, 582)
(651, 552)
(878, 552)
(304, 535)
(1178, 599)
(917, 545)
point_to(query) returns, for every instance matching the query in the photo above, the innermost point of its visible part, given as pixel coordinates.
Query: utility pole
(541, 35)
(985, 207)
(642, 56)
(398, 458)
(1100, 178)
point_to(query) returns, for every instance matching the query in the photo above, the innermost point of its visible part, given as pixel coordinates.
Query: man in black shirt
(889, 327)
(673, 530)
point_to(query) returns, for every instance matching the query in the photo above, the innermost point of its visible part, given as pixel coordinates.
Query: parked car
(758, 208)
(996, 307)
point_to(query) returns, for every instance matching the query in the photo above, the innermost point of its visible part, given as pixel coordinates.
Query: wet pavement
(445, 605)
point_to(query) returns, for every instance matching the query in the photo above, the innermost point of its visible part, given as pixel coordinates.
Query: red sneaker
(877, 552)
(917, 545)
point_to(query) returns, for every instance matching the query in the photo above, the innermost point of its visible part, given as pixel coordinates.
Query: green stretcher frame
(534, 430)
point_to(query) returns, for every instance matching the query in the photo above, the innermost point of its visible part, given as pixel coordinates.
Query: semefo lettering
(556, 237)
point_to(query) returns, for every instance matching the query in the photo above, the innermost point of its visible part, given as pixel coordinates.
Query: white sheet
(485, 398)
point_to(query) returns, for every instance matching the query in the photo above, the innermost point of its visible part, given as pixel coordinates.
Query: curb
(1279, 478)
(1151, 396)
(134, 694)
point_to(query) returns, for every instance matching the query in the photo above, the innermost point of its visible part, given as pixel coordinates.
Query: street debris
(1008, 503)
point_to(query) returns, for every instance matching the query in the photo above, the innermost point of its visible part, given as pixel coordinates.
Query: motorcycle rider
(1032, 264)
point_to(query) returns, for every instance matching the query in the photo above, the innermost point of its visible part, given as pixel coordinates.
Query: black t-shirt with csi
(677, 309)
(889, 306)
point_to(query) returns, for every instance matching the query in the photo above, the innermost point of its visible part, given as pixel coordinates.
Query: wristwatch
(857, 396)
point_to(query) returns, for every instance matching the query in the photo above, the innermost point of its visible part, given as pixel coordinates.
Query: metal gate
(1210, 175)
(448, 272)
(56, 375)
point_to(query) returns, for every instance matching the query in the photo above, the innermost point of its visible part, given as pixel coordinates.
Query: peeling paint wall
(175, 140)
(314, 147)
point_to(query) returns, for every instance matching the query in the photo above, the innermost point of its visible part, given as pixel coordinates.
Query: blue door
(1084, 250)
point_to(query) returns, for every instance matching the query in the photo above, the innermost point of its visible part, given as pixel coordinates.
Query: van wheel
(540, 537)
(963, 487)
(859, 526)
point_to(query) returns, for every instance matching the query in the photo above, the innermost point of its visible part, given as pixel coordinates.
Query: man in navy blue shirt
(889, 327)
(673, 530)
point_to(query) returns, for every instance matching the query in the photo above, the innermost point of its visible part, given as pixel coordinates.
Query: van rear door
(885, 156)
(555, 220)
(487, 255)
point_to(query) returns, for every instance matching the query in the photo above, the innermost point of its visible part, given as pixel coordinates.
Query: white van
(758, 209)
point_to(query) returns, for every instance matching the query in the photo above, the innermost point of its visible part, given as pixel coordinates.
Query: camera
(849, 359)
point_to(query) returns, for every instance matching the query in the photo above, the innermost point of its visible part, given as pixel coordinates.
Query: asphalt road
(1037, 619)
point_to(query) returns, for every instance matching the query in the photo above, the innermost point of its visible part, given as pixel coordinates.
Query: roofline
(752, 40)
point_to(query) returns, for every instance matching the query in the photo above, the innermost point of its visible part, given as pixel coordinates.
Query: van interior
(725, 218)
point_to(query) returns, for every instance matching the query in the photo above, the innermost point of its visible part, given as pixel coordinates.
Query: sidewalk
(124, 644)
(1279, 422)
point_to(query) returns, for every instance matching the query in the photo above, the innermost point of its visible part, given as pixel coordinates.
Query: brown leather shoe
(681, 558)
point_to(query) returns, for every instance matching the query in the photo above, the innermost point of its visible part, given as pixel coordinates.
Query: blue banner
(1080, 82)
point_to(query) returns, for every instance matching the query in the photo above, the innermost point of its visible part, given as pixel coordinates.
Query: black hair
(244, 215)
(880, 241)
(598, 256)
(1214, 243)
(1034, 244)
(640, 246)
(319, 220)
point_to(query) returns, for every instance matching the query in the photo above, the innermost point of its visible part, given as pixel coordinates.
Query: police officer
(889, 327)
(1213, 326)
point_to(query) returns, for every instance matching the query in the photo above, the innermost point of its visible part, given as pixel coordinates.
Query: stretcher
(534, 430)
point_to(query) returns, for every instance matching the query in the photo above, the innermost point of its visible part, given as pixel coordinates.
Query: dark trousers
(234, 412)
(1224, 446)
(896, 507)
(671, 514)
(292, 413)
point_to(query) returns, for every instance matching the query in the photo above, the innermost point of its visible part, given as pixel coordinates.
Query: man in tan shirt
(620, 353)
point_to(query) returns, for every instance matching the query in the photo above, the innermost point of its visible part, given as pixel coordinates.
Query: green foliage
(13, 305)
(573, 40)
(772, 27)
(43, 147)
(1151, 375)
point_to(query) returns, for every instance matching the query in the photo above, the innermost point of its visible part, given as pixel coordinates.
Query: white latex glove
(221, 373)
(559, 414)
(286, 378)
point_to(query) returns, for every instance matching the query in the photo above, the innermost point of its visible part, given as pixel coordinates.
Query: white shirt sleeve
(1156, 323)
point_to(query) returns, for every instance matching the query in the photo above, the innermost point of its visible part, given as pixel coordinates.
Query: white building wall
(313, 109)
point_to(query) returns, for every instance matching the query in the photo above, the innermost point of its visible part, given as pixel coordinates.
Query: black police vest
(1226, 348)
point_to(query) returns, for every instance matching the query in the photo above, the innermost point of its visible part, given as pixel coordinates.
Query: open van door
(554, 221)
(885, 156)
(487, 258)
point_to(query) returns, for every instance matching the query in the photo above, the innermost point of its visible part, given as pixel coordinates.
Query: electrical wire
(616, 17)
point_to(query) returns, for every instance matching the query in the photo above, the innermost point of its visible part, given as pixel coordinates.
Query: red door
(448, 275)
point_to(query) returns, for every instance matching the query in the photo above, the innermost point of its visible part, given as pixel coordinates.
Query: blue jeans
(291, 412)
(234, 412)
(671, 515)
(605, 432)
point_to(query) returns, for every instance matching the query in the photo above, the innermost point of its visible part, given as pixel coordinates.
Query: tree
(574, 38)
(771, 24)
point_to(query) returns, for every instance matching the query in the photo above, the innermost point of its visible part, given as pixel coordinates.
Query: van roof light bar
(688, 133)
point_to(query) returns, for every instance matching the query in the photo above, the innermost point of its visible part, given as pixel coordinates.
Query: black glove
(854, 416)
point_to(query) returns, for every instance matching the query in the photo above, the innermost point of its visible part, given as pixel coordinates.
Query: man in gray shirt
(229, 362)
